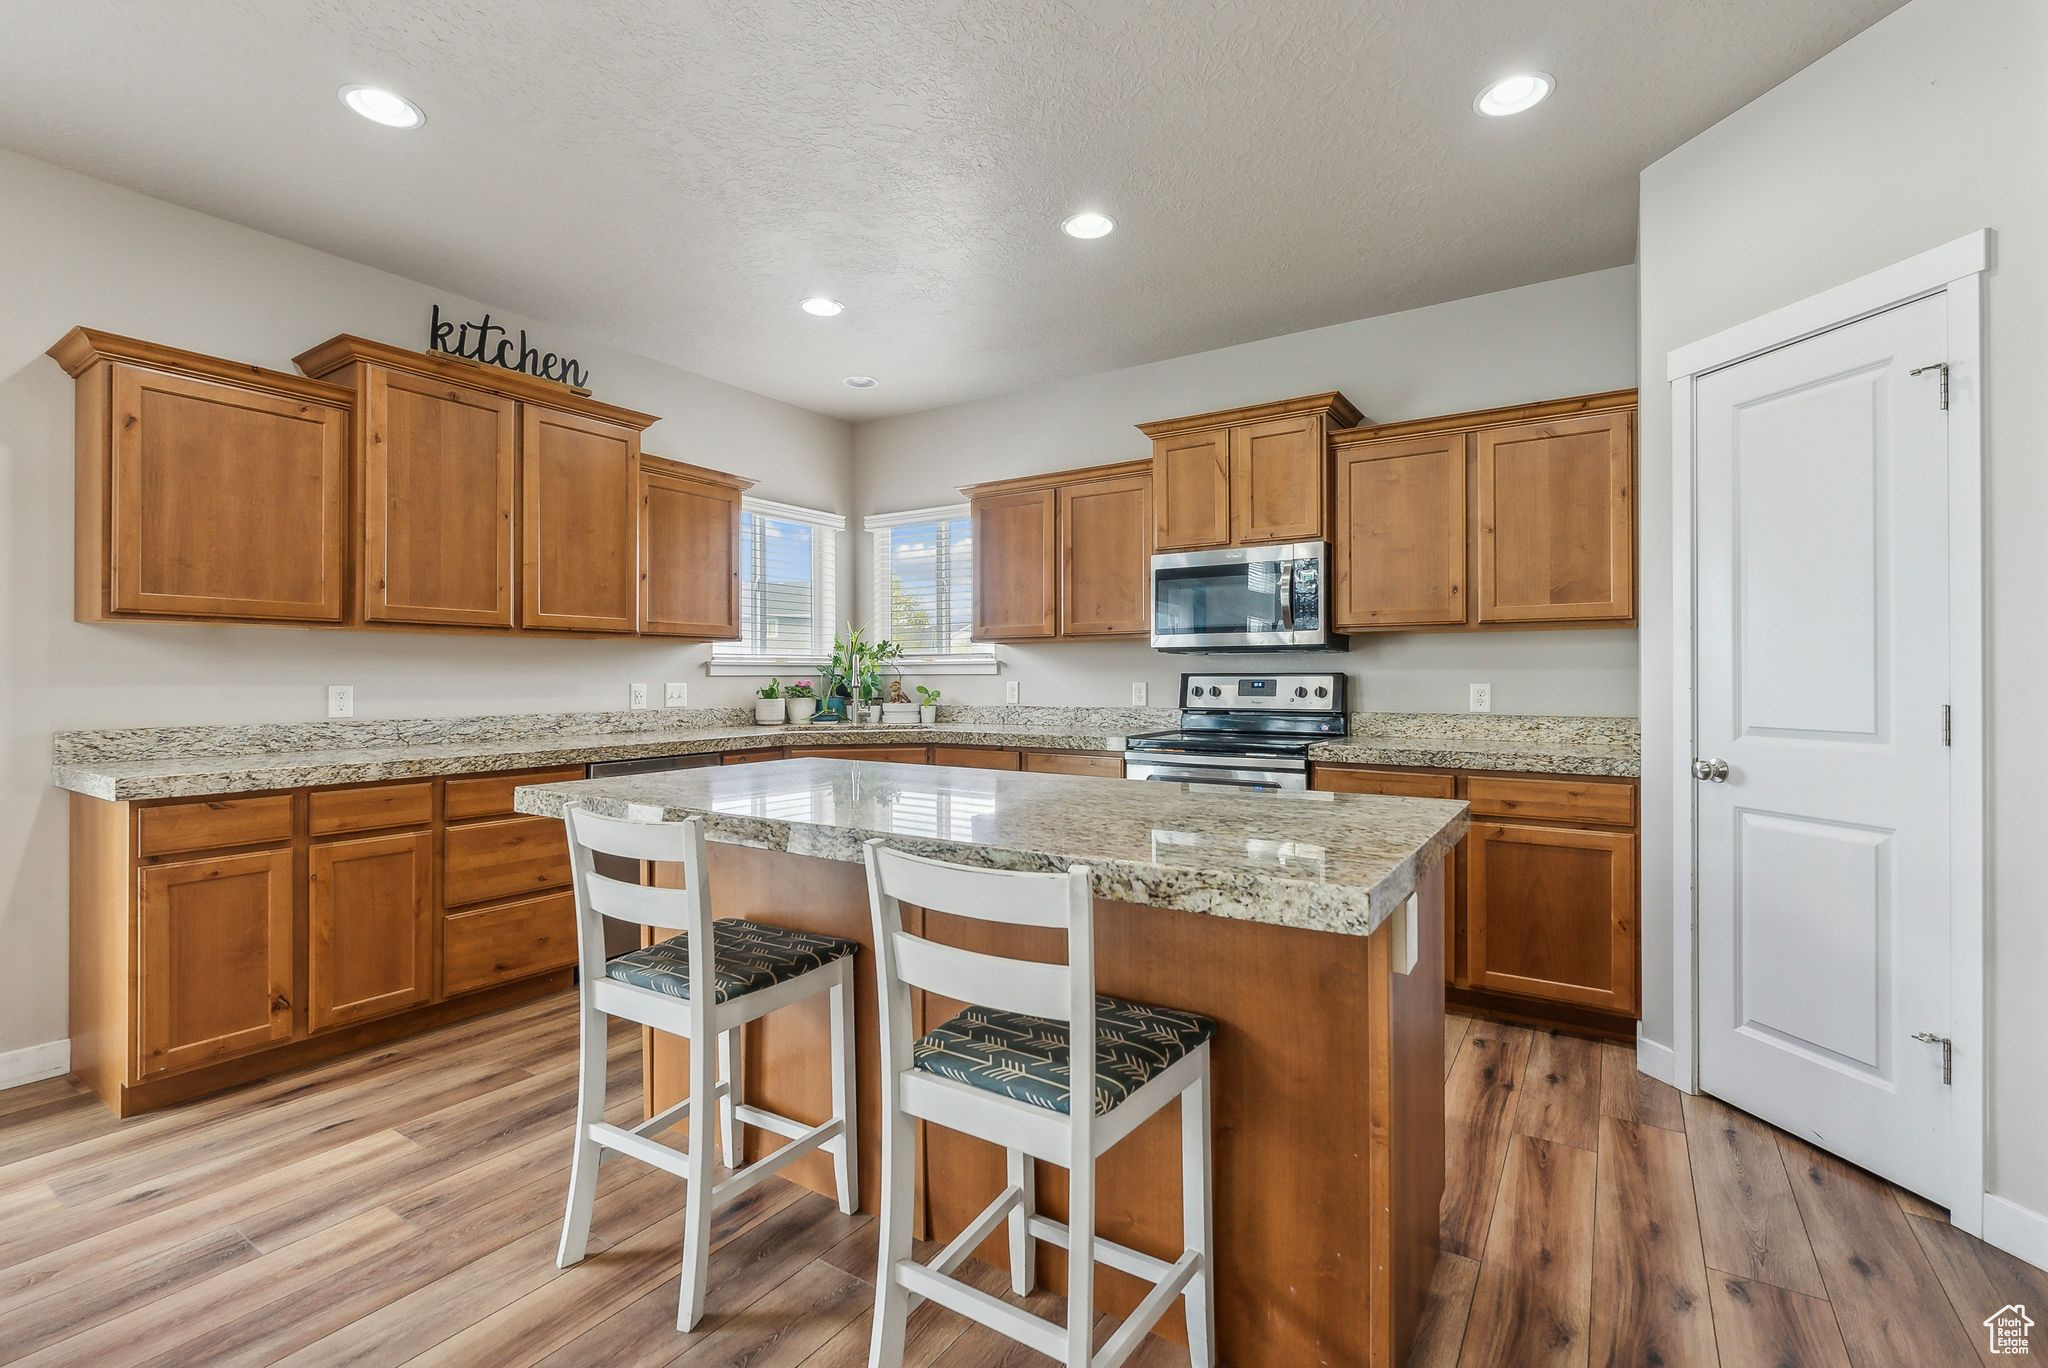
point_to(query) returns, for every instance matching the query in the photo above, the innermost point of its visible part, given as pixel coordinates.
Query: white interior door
(1822, 677)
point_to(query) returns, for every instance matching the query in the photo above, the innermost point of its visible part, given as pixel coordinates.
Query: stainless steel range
(1248, 731)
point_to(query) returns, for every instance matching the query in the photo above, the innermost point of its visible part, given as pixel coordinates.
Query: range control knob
(1322, 691)
(1300, 691)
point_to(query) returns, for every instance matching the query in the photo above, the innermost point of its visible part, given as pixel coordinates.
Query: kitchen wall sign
(493, 344)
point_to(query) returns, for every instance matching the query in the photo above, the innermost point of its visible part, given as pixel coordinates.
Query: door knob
(1713, 771)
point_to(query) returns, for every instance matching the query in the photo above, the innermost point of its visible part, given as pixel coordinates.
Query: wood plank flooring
(402, 1206)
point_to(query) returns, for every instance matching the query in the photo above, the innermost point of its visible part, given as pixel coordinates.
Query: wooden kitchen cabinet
(1015, 552)
(217, 950)
(1105, 539)
(977, 757)
(689, 551)
(370, 926)
(579, 520)
(1246, 476)
(437, 486)
(1400, 535)
(1551, 913)
(205, 489)
(1557, 520)
(1086, 764)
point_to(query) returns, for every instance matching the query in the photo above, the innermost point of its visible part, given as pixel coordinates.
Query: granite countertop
(1317, 861)
(1531, 755)
(201, 775)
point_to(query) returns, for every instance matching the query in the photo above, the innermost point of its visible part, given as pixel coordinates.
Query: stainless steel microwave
(1243, 598)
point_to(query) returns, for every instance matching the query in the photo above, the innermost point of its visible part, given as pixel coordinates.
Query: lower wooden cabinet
(977, 757)
(216, 957)
(893, 755)
(1552, 913)
(1090, 765)
(499, 944)
(370, 927)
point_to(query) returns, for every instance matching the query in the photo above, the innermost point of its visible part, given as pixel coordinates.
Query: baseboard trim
(35, 1063)
(1657, 1061)
(2016, 1230)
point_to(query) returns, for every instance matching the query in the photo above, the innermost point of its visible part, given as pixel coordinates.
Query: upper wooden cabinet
(1247, 476)
(689, 551)
(1105, 536)
(1514, 517)
(204, 488)
(436, 483)
(1014, 554)
(578, 522)
(1064, 555)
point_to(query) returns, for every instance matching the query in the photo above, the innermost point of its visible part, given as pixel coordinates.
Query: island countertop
(1317, 861)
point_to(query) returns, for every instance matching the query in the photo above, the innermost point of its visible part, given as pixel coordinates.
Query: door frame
(1955, 269)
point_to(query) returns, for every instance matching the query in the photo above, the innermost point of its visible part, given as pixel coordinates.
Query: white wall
(1927, 126)
(75, 250)
(1563, 337)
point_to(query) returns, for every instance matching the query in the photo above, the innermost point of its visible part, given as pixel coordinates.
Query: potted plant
(927, 705)
(769, 705)
(802, 700)
(857, 665)
(897, 709)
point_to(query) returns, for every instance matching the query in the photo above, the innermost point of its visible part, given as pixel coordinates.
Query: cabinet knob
(280, 1003)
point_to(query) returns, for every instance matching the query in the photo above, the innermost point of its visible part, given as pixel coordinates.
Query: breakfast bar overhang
(1308, 926)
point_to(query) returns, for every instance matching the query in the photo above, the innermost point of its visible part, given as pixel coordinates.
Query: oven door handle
(1194, 774)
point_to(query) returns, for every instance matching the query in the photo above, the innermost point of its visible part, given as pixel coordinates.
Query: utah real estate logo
(2008, 1328)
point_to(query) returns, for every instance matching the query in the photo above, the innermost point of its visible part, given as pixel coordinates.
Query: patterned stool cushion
(1025, 1057)
(746, 956)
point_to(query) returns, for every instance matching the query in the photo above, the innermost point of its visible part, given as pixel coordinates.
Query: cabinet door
(579, 521)
(1013, 566)
(1191, 490)
(1557, 520)
(689, 558)
(894, 755)
(370, 927)
(225, 502)
(1400, 537)
(1105, 584)
(215, 977)
(1279, 478)
(1087, 764)
(437, 484)
(1551, 913)
(976, 757)
(508, 858)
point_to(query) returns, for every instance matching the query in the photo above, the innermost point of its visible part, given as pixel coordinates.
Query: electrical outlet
(678, 696)
(639, 696)
(1482, 698)
(341, 700)
(1010, 691)
(1137, 695)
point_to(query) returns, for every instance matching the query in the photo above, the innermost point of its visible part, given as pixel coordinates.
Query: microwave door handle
(1286, 623)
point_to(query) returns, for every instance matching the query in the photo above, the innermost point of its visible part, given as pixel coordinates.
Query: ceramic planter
(801, 709)
(771, 710)
(900, 713)
(928, 713)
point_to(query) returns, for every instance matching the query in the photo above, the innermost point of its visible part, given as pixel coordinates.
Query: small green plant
(801, 689)
(772, 689)
(927, 696)
(857, 662)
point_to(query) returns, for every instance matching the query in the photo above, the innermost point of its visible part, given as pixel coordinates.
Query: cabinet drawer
(499, 944)
(895, 755)
(1558, 800)
(749, 757)
(213, 823)
(977, 757)
(490, 795)
(370, 809)
(1092, 765)
(1391, 783)
(484, 861)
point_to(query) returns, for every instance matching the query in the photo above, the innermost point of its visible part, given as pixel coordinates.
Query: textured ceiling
(673, 175)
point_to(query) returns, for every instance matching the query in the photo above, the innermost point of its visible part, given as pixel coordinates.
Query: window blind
(788, 574)
(924, 581)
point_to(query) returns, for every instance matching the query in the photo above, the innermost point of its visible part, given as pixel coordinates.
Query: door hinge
(1941, 366)
(1948, 1053)
(1947, 725)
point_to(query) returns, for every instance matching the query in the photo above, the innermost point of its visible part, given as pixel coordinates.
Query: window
(923, 587)
(789, 573)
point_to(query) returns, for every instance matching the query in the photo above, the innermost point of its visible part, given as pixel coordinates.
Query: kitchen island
(1308, 926)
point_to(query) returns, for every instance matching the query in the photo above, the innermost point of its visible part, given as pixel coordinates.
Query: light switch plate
(341, 700)
(678, 696)
(1482, 698)
(1011, 693)
(639, 696)
(1137, 695)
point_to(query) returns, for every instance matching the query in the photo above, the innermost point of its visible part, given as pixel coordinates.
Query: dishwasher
(620, 937)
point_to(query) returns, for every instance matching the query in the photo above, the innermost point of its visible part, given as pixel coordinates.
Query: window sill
(765, 667)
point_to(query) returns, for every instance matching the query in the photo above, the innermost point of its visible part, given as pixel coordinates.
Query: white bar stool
(702, 985)
(1001, 1071)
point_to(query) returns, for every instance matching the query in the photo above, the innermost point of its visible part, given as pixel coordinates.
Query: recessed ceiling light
(1513, 94)
(1088, 224)
(820, 307)
(860, 382)
(383, 106)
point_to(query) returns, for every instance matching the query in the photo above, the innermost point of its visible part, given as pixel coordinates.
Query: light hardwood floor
(402, 1206)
